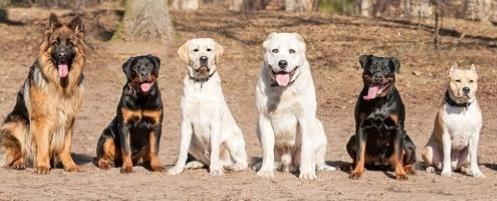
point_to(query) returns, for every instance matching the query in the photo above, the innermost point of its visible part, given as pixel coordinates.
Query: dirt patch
(334, 44)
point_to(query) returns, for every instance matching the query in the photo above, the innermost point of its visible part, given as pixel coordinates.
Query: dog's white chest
(284, 120)
(461, 124)
(201, 108)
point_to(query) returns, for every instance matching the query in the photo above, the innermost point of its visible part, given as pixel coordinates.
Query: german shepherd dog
(38, 132)
(380, 139)
(133, 135)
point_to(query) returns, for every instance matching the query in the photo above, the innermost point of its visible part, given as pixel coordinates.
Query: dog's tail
(10, 146)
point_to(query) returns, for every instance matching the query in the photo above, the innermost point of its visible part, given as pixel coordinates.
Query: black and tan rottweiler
(380, 139)
(38, 131)
(133, 135)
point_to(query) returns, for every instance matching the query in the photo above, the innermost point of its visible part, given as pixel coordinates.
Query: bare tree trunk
(478, 9)
(364, 7)
(145, 19)
(438, 10)
(189, 5)
(237, 5)
(298, 5)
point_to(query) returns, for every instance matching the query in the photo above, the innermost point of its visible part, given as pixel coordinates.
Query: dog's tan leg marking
(359, 165)
(65, 154)
(155, 164)
(109, 154)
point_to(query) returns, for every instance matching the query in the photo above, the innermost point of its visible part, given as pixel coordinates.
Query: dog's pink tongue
(372, 92)
(283, 79)
(63, 70)
(145, 86)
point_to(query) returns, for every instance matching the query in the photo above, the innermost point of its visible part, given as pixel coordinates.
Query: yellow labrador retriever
(286, 100)
(209, 133)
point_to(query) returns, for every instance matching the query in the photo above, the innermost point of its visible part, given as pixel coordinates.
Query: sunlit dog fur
(38, 132)
(454, 142)
(287, 125)
(209, 133)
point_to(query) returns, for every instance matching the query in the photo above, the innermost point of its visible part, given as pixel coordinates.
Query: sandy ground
(334, 44)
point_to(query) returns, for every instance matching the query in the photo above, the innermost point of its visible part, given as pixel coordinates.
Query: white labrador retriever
(209, 133)
(286, 100)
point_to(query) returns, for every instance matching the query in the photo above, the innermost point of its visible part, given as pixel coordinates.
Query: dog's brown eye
(458, 81)
(275, 50)
(195, 50)
(209, 49)
(292, 51)
(471, 81)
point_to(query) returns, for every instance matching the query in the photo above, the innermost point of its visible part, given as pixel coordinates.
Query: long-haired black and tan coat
(38, 132)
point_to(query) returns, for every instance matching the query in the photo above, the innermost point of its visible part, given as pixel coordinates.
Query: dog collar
(202, 80)
(453, 103)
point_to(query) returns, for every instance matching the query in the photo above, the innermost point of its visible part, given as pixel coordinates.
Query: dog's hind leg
(13, 134)
(432, 157)
(10, 151)
(236, 147)
(107, 150)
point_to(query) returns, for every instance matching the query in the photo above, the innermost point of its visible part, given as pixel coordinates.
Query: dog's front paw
(431, 169)
(267, 173)
(240, 166)
(42, 169)
(355, 175)
(176, 170)
(126, 169)
(308, 175)
(401, 177)
(73, 168)
(103, 164)
(475, 172)
(446, 173)
(216, 170)
(18, 165)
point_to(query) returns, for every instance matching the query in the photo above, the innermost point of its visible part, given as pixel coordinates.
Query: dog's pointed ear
(395, 64)
(53, 23)
(219, 51)
(266, 41)
(127, 66)
(301, 40)
(453, 68)
(364, 60)
(473, 68)
(183, 52)
(156, 61)
(77, 26)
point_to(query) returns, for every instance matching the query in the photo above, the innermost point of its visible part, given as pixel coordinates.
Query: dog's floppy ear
(364, 60)
(453, 68)
(183, 52)
(127, 66)
(77, 26)
(156, 61)
(219, 51)
(53, 23)
(301, 40)
(395, 64)
(266, 42)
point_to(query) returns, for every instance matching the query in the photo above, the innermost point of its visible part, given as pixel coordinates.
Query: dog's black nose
(283, 64)
(465, 90)
(203, 59)
(377, 78)
(62, 54)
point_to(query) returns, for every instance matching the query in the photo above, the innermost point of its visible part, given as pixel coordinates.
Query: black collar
(202, 80)
(453, 103)
(129, 90)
